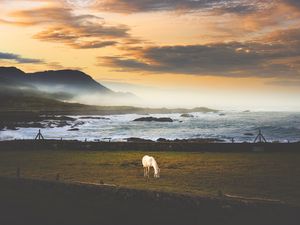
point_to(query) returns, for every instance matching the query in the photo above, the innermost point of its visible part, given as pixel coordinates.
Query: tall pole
(260, 137)
(39, 136)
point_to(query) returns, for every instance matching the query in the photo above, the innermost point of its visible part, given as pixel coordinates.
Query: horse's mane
(155, 165)
(154, 161)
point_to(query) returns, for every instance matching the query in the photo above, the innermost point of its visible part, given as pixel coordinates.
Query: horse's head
(157, 174)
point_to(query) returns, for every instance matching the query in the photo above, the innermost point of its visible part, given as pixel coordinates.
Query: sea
(239, 126)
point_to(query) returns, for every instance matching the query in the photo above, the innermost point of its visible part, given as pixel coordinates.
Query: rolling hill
(69, 81)
(53, 92)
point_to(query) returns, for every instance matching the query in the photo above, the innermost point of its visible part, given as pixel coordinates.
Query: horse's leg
(153, 172)
(145, 172)
(148, 171)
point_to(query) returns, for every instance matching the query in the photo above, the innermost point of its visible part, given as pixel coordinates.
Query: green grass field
(264, 175)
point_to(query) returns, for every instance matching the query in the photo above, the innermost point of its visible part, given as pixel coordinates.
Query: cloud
(19, 59)
(232, 19)
(294, 3)
(63, 26)
(285, 83)
(137, 6)
(216, 18)
(273, 55)
(289, 36)
(134, 6)
(58, 66)
(276, 55)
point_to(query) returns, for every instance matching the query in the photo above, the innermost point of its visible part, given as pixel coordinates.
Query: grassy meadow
(263, 175)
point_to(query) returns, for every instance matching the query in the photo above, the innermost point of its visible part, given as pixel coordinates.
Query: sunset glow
(221, 53)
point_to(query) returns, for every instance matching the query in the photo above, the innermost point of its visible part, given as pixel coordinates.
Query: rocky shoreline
(14, 122)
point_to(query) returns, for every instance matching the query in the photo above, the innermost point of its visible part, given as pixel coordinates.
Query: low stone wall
(148, 146)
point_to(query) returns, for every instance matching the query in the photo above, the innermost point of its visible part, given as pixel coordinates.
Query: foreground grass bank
(263, 175)
(35, 202)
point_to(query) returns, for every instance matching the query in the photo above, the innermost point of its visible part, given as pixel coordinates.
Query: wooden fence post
(18, 172)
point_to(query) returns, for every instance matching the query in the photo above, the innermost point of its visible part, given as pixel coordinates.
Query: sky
(226, 54)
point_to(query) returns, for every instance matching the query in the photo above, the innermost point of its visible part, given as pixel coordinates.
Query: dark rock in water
(65, 118)
(94, 118)
(246, 111)
(11, 127)
(63, 124)
(248, 134)
(51, 124)
(154, 119)
(34, 124)
(133, 139)
(58, 124)
(77, 124)
(17, 125)
(222, 114)
(73, 129)
(161, 140)
(57, 121)
(53, 117)
(186, 115)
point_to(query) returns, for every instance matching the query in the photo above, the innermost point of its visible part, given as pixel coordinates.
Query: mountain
(69, 81)
(12, 76)
(67, 92)
(11, 73)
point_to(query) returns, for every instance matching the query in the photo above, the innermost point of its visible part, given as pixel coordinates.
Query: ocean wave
(275, 126)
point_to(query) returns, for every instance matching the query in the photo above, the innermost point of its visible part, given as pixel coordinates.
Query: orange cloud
(275, 55)
(77, 31)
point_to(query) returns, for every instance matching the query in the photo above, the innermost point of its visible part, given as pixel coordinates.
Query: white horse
(147, 162)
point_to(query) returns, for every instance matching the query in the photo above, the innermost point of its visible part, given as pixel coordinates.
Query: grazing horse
(147, 162)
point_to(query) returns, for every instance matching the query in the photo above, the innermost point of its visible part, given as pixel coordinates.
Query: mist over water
(183, 96)
(242, 126)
